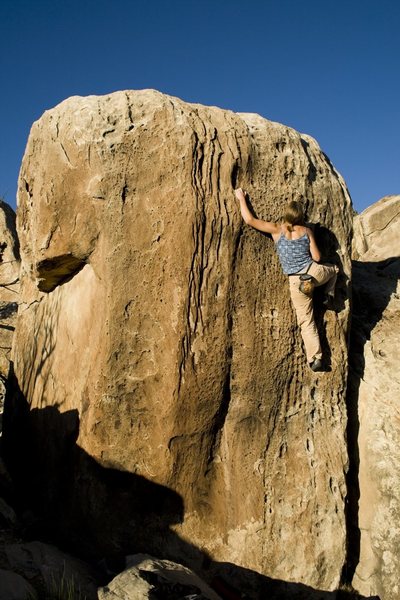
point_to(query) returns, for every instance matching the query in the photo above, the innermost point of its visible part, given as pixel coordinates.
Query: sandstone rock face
(157, 359)
(9, 291)
(376, 231)
(375, 368)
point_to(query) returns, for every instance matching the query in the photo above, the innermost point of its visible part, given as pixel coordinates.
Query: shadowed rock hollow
(156, 345)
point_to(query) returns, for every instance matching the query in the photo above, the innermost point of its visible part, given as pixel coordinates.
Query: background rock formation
(9, 291)
(376, 231)
(159, 379)
(375, 380)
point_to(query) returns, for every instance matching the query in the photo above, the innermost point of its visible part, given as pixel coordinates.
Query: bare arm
(315, 253)
(266, 226)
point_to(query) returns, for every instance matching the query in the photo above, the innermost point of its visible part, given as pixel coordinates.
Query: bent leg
(303, 306)
(325, 274)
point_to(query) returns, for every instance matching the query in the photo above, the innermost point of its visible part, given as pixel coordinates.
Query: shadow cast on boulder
(329, 247)
(102, 513)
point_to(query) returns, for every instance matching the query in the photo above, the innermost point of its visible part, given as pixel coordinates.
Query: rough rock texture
(157, 361)
(375, 385)
(376, 235)
(146, 578)
(9, 291)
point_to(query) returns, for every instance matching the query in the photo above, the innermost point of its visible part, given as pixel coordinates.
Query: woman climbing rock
(299, 257)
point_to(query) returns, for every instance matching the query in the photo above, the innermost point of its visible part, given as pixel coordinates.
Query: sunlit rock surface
(375, 377)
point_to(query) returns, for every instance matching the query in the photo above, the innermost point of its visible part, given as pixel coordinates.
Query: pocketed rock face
(157, 332)
(375, 382)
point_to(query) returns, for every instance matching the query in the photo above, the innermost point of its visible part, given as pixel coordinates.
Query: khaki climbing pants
(303, 305)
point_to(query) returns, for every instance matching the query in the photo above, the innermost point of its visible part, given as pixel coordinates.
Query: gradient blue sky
(327, 68)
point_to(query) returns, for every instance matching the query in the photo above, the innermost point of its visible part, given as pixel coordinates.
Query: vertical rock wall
(374, 390)
(156, 353)
(9, 292)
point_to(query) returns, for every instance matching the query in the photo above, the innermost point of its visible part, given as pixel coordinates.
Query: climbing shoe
(327, 299)
(316, 365)
(328, 302)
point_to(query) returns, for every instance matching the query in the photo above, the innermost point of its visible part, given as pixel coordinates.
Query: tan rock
(9, 291)
(147, 577)
(376, 231)
(157, 329)
(376, 381)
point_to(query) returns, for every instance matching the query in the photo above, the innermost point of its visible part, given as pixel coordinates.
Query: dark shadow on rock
(252, 585)
(10, 218)
(312, 169)
(7, 310)
(329, 247)
(373, 284)
(101, 513)
(76, 502)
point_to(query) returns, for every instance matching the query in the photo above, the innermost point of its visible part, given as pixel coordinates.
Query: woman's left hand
(240, 194)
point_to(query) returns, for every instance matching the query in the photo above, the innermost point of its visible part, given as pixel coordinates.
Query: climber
(299, 257)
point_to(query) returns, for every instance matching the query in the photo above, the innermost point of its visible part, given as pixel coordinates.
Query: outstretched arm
(266, 226)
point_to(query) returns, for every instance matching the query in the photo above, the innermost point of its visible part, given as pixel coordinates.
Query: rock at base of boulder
(146, 576)
(58, 571)
(15, 587)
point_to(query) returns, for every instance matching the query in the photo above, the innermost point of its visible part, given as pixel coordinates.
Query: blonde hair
(293, 214)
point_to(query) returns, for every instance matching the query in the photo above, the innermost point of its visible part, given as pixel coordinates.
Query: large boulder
(159, 378)
(374, 391)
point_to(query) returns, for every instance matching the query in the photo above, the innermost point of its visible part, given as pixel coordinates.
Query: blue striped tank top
(294, 255)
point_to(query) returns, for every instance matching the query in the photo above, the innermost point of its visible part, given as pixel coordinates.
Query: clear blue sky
(327, 68)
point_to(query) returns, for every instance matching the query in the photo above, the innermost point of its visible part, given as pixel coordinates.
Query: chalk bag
(307, 284)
